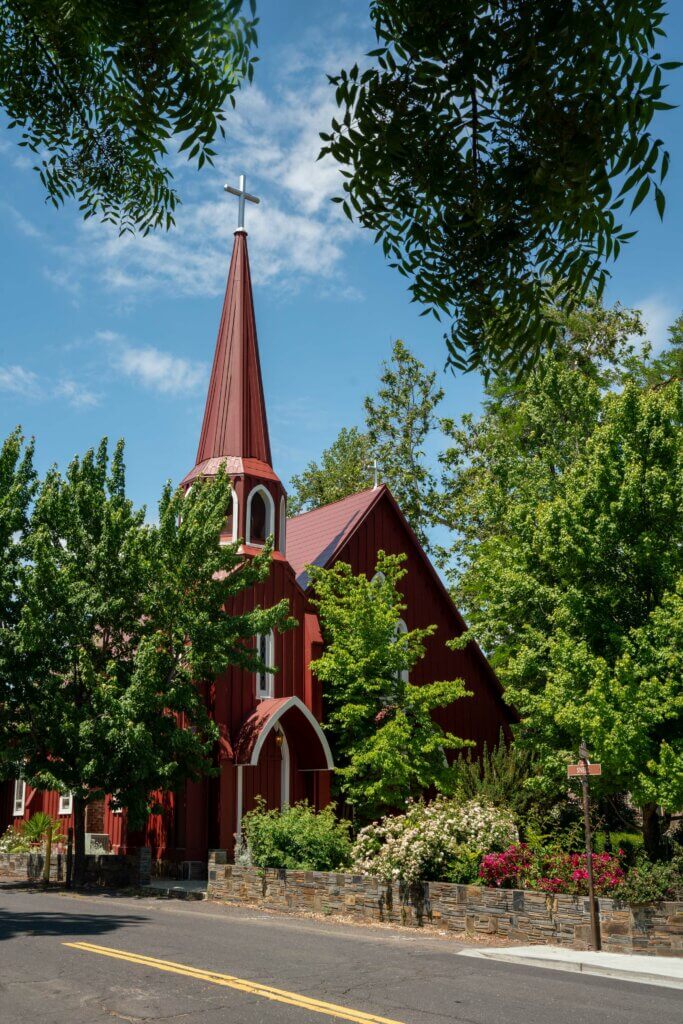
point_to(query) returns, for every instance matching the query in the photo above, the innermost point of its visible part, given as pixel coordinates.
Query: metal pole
(595, 924)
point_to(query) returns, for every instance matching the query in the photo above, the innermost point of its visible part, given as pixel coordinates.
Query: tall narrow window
(398, 631)
(264, 680)
(65, 803)
(260, 516)
(229, 531)
(19, 797)
(283, 524)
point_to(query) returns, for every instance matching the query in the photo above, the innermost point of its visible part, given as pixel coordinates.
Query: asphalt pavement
(91, 959)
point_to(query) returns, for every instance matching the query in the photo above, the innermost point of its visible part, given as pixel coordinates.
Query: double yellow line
(253, 988)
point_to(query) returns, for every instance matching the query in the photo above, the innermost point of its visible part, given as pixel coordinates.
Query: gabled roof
(314, 537)
(235, 414)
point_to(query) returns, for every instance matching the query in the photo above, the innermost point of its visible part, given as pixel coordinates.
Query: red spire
(235, 414)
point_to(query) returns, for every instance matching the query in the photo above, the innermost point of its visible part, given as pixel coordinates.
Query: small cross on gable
(243, 197)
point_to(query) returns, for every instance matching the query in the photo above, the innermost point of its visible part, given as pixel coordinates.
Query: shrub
(35, 829)
(568, 873)
(629, 843)
(436, 841)
(298, 837)
(649, 883)
(12, 841)
(511, 869)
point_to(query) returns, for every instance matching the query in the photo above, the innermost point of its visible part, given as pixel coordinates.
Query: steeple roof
(235, 423)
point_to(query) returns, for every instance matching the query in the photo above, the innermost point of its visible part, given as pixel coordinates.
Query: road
(101, 960)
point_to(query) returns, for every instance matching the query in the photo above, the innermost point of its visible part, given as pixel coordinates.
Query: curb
(578, 967)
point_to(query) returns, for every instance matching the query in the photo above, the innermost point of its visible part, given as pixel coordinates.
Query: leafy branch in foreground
(100, 90)
(491, 147)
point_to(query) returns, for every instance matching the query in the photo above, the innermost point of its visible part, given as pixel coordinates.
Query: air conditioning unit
(97, 843)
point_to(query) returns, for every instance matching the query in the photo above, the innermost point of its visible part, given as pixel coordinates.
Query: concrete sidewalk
(181, 889)
(646, 970)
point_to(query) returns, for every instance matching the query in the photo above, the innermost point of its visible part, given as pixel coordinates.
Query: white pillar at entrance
(240, 803)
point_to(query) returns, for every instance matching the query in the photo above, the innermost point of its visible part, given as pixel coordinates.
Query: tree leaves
(483, 146)
(98, 90)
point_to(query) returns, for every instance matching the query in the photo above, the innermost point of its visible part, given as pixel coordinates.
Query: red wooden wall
(479, 717)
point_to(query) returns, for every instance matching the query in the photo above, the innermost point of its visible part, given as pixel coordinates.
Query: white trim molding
(19, 804)
(292, 702)
(282, 540)
(399, 629)
(270, 514)
(265, 680)
(65, 803)
(235, 520)
(285, 770)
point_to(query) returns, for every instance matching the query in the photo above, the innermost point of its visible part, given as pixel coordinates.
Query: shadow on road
(64, 921)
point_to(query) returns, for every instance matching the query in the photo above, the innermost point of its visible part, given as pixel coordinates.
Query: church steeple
(235, 421)
(235, 427)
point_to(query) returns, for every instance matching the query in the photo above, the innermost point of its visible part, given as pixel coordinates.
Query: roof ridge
(320, 508)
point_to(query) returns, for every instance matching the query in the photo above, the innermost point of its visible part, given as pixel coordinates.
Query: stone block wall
(105, 870)
(519, 915)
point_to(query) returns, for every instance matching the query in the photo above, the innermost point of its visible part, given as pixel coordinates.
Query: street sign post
(583, 770)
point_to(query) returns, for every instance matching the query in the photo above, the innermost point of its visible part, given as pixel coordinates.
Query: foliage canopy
(100, 91)
(387, 746)
(491, 146)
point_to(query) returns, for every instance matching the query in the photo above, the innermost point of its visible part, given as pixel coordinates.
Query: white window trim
(270, 662)
(270, 514)
(399, 629)
(66, 803)
(284, 769)
(283, 524)
(235, 519)
(19, 804)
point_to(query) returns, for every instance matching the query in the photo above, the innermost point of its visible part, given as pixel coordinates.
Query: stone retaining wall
(522, 916)
(105, 870)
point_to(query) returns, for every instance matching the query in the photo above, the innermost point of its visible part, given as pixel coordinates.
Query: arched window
(229, 531)
(265, 648)
(260, 516)
(399, 629)
(283, 524)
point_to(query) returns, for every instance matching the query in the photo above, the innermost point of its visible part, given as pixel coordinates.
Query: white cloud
(76, 394)
(658, 314)
(296, 233)
(159, 371)
(23, 225)
(18, 381)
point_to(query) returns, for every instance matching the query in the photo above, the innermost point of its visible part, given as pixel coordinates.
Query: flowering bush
(434, 841)
(12, 841)
(519, 867)
(511, 869)
(568, 872)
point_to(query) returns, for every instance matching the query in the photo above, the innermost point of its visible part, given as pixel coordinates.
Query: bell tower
(235, 426)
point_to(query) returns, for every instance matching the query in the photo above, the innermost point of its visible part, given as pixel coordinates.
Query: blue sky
(108, 336)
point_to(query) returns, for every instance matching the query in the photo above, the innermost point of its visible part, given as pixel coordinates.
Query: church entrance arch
(279, 747)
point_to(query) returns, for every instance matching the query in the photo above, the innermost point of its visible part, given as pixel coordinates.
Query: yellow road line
(278, 995)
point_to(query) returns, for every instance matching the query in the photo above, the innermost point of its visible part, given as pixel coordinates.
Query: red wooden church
(271, 742)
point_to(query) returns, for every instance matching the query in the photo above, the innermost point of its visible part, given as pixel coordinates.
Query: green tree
(491, 146)
(17, 484)
(387, 745)
(101, 91)
(344, 469)
(400, 421)
(568, 496)
(122, 627)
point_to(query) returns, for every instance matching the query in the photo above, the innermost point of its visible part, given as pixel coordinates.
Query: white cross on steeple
(374, 466)
(242, 195)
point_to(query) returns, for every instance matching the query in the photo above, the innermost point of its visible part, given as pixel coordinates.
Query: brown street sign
(583, 768)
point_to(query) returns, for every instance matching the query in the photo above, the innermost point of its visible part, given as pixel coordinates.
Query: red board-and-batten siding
(48, 802)
(353, 531)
